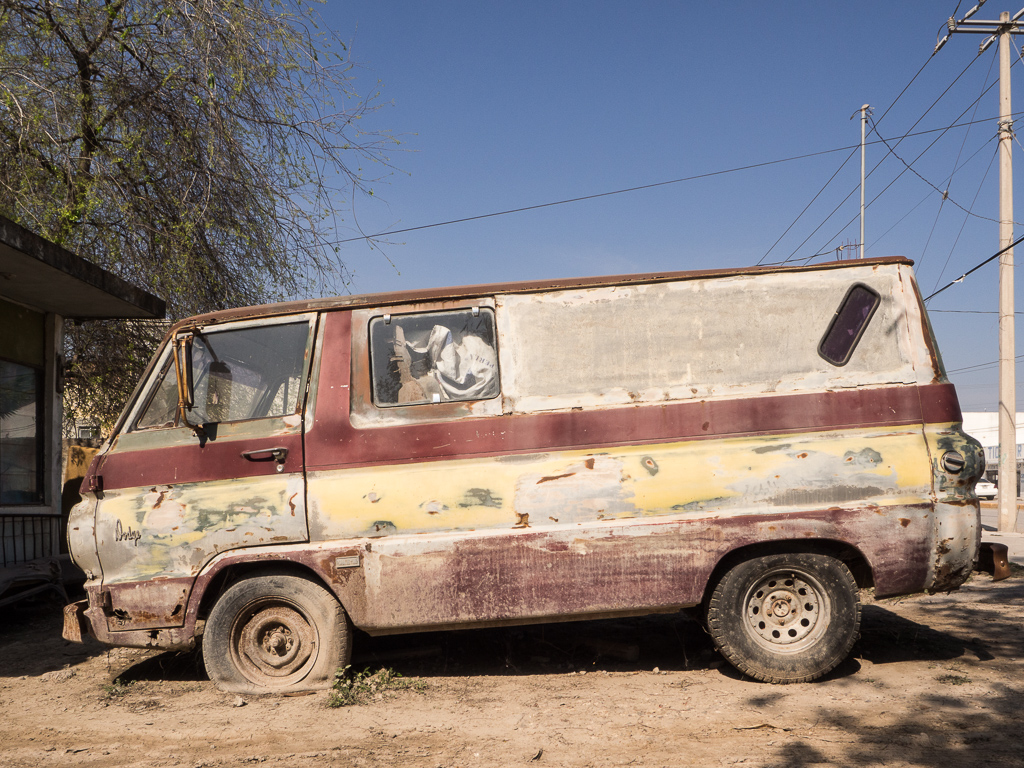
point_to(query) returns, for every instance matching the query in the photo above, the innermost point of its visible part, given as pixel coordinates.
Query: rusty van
(755, 445)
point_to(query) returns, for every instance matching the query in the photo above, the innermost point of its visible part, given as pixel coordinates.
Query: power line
(956, 167)
(816, 196)
(879, 163)
(922, 154)
(994, 256)
(641, 187)
(963, 224)
(967, 312)
(943, 192)
(981, 366)
(832, 178)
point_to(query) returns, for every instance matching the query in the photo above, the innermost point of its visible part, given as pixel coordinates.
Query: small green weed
(118, 688)
(953, 679)
(352, 688)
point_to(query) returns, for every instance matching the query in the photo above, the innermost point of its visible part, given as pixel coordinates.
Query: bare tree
(197, 148)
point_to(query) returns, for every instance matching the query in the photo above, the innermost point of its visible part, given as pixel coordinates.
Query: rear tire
(275, 633)
(785, 618)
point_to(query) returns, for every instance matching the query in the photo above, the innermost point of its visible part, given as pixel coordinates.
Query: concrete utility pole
(1001, 31)
(863, 136)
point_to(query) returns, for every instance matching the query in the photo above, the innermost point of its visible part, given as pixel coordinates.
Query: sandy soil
(934, 681)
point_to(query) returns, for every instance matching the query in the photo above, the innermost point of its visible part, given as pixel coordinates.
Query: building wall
(984, 427)
(30, 411)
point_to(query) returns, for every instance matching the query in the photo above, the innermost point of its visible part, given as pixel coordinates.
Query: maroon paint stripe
(333, 442)
(939, 403)
(195, 463)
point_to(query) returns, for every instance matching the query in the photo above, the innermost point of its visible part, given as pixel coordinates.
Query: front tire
(785, 618)
(275, 633)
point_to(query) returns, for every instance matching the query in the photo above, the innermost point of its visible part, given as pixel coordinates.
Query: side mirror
(183, 369)
(183, 374)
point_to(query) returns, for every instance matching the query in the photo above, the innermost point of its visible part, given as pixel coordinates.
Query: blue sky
(503, 105)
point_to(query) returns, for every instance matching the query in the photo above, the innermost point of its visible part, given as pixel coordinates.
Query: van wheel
(275, 633)
(785, 618)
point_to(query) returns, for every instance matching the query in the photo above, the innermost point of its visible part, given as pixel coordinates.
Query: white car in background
(985, 490)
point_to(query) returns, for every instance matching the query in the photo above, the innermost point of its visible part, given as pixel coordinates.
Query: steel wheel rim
(786, 610)
(273, 642)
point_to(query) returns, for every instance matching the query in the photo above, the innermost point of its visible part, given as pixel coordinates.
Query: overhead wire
(929, 194)
(975, 268)
(956, 165)
(879, 163)
(981, 366)
(963, 224)
(696, 177)
(594, 196)
(833, 176)
(943, 192)
(900, 175)
(806, 207)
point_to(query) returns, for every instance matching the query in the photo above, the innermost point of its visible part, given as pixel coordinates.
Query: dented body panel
(642, 433)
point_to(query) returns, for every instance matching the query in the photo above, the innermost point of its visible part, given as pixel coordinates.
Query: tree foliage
(198, 148)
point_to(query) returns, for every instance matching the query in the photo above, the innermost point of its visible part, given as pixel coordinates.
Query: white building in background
(984, 427)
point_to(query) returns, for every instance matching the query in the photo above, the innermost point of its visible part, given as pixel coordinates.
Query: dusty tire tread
(726, 621)
(317, 605)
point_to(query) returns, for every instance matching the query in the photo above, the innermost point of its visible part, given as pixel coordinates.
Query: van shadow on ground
(958, 717)
(671, 642)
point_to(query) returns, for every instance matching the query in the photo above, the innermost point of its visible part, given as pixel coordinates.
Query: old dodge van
(756, 445)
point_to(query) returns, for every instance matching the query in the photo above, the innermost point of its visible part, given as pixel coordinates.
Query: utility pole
(863, 136)
(1001, 31)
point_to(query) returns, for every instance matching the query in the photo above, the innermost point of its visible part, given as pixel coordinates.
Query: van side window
(433, 357)
(848, 324)
(162, 410)
(247, 373)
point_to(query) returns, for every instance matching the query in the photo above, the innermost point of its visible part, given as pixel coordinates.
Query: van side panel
(490, 519)
(699, 340)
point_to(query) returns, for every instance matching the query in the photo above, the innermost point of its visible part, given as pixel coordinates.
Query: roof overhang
(44, 276)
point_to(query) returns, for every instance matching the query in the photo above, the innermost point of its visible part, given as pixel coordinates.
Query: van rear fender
(854, 559)
(958, 460)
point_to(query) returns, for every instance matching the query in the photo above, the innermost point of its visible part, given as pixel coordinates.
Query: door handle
(268, 454)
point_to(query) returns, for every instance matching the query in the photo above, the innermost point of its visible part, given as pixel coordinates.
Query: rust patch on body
(589, 463)
(904, 521)
(549, 478)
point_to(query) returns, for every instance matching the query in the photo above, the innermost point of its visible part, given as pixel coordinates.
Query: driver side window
(238, 374)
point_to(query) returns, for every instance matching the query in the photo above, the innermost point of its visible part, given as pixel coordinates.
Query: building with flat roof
(41, 286)
(983, 426)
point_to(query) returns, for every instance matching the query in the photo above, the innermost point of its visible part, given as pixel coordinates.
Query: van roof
(492, 289)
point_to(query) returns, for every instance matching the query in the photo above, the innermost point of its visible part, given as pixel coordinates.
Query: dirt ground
(934, 681)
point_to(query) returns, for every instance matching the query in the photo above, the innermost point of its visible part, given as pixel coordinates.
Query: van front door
(170, 500)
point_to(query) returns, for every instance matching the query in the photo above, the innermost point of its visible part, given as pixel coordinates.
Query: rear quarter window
(848, 324)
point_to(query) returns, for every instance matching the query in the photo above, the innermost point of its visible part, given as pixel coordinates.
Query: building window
(21, 434)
